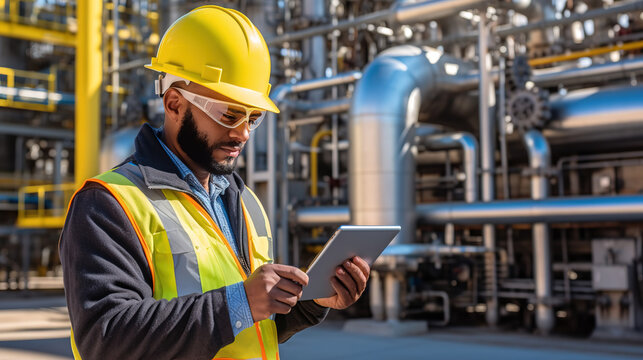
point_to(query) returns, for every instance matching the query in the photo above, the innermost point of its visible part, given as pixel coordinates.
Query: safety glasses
(225, 113)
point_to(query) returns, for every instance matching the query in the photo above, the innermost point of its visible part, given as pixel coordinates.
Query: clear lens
(225, 113)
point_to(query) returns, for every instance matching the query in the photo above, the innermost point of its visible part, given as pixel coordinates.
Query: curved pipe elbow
(538, 149)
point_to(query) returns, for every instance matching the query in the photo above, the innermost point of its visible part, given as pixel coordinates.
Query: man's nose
(241, 133)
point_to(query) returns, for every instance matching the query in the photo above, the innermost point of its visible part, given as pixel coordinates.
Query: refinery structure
(505, 137)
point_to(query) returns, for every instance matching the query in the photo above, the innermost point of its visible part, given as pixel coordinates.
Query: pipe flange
(529, 109)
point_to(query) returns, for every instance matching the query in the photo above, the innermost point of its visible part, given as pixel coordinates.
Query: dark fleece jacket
(108, 283)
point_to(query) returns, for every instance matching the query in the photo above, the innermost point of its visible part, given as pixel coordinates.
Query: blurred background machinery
(504, 136)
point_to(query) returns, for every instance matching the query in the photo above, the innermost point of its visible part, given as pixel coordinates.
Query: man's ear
(172, 105)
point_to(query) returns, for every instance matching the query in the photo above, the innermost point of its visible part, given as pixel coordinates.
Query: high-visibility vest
(187, 252)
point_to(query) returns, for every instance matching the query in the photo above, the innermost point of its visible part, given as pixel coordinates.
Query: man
(169, 255)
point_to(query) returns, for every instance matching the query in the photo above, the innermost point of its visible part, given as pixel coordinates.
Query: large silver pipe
(384, 115)
(597, 117)
(385, 110)
(422, 250)
(403, 12)
(527, 211)
(313, 108)
(598, 72)
(539, 164)
(322, 216)
(469, 146)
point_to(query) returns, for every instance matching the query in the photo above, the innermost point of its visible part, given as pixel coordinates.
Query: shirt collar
(218, 183)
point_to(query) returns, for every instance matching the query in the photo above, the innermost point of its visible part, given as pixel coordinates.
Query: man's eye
(229, 117)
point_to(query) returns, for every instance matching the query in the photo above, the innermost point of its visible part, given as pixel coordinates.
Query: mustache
(235, 144)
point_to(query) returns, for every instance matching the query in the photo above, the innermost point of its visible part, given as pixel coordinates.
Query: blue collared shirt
(239, 310)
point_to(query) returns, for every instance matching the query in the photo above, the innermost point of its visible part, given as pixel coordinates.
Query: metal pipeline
(487, 129)
(527, 211)
(403, 12)
(320, 107)
(469, 146)
(598, 73)
(597, 117)
(385, 110)
(422, 250)
(539, 164)
(322, 216)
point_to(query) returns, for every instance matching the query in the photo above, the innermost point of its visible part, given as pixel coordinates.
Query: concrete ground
(36, 327)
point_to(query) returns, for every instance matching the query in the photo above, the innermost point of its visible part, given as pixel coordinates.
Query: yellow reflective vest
(187, 252)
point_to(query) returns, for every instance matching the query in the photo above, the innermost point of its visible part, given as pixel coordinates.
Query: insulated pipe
(539, 163)
(423, 250)
(384, 114)
(384, 117)
(322, 107)
(322, 216)
(403, 12)
(597, 72)
(597, 116)
(469, 146)
(524, 211)
(550, 210)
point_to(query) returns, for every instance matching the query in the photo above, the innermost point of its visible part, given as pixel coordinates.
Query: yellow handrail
(586, 53)
(13, 89)
(313, 159)
(51, 209)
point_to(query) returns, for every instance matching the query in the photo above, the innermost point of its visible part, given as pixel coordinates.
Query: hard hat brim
(242, 95)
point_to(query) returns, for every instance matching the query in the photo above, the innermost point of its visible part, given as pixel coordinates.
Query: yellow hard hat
(220, 49)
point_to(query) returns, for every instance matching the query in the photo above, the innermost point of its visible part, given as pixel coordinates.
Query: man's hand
(274, 288)
(349, 282)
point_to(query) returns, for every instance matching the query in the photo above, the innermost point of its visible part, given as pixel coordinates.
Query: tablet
(367, 242)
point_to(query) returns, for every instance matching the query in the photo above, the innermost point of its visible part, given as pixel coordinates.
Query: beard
(196, 147)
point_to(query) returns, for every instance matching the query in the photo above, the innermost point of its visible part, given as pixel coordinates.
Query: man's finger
(340, 289)
(284, 297)
(278, 307)
(292, 273)
(290, 287)
(347, 280)
(362, 265)
(357, 275)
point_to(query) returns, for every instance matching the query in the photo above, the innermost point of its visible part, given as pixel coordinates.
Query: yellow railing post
(13, 10)
(43, 216)
(41, 202)
(52, 87)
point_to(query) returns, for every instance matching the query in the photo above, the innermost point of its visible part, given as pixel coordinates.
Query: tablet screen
(367, 242)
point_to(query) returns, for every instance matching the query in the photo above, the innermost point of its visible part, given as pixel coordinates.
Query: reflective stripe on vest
(187, 253)
(186, 268)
